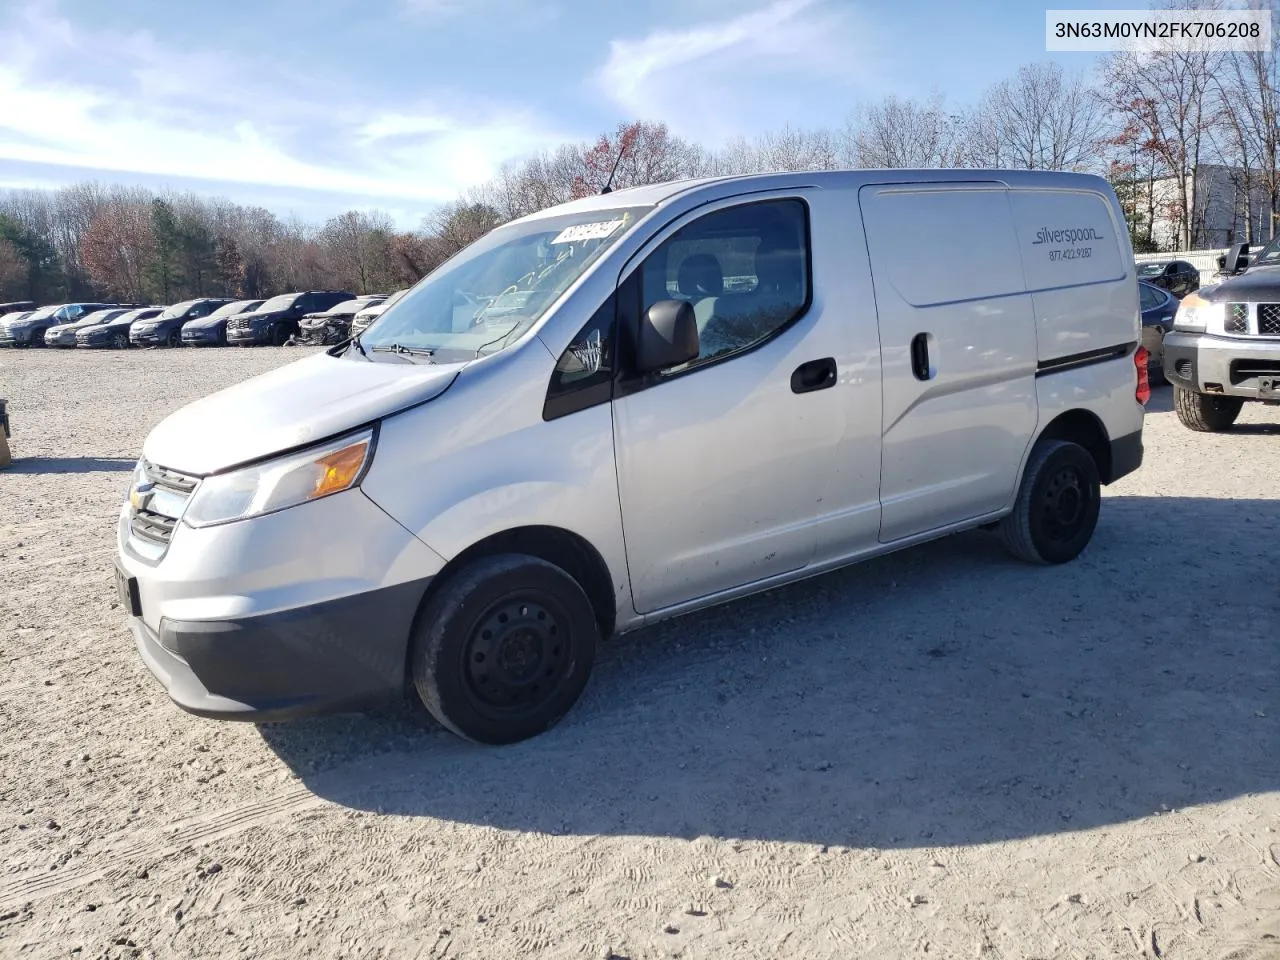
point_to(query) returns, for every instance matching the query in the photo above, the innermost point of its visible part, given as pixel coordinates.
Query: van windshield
(491, 292)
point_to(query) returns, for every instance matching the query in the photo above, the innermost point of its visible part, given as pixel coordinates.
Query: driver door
(723, 462)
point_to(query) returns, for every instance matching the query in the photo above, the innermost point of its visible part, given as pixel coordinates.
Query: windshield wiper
(355, 342)
(402, 350)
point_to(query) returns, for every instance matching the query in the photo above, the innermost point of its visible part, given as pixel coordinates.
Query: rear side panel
(1079, 267)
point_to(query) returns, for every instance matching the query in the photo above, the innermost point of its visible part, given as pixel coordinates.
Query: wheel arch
(1085, 428)
(568, 551)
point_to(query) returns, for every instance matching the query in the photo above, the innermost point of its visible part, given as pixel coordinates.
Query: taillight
(1143, 392)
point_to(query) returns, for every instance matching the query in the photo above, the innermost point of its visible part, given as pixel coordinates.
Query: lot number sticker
(587, 231)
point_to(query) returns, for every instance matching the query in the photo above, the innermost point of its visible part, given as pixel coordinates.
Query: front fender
(467, 467)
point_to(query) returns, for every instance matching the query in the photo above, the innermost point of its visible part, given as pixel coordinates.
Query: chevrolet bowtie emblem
(140, 494)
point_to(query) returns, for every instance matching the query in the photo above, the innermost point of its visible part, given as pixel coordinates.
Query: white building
(1222, 212)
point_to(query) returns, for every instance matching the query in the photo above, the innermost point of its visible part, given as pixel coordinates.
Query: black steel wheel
(504, 648)
(1057, 506)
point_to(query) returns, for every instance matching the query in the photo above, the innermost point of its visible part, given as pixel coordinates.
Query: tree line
(1140, 121)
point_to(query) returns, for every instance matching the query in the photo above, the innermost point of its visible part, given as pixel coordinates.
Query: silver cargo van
(629, 407)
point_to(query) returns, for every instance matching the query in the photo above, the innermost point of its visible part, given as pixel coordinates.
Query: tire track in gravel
(154, 844)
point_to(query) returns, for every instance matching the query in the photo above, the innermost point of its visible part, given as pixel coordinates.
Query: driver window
(745, 270)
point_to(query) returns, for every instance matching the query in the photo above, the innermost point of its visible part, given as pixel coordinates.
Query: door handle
(814, 375)
(920, 366)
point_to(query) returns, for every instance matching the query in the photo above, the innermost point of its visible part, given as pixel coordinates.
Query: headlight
(280, 483)
(1197, 313)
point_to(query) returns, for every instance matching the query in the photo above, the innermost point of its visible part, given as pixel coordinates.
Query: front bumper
(297, 612)
(1223, 366)
(249, 337)
(97, 340)
(151, 338)
(200, 338)
(61, 340)
(344, 653)
(15, 338)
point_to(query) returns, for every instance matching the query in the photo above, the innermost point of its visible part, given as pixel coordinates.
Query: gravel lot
(941, 752)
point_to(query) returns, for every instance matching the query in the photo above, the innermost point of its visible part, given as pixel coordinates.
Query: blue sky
(316, 106)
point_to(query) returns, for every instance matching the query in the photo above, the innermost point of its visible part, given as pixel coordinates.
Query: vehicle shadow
(71, 465)
(1161, 400)
(945, 695)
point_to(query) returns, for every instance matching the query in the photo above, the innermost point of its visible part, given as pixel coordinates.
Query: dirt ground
(941, 753)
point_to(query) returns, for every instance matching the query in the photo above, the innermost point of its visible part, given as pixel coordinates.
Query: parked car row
(309, 316)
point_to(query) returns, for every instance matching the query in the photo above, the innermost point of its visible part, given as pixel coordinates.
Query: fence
(1206, 261)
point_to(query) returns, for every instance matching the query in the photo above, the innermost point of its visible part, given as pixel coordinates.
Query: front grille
(170, 479)
(1237, 318)
(1242, 370)
(238, 323)
(155, 522)
(1269, 319)
(155, 527)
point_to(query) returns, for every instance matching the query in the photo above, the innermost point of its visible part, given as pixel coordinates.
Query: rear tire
(1057, 506)
(504, 648)
(1204, 413)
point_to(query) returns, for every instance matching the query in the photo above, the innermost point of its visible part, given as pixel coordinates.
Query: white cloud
(719, 77)
(124, 102)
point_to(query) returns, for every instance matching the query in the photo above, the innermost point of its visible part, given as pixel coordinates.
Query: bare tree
(13, 271)
(1251, 106)
(117, 247)
(1169, 96)
(1041, 119)
(358, 244)
(899, 132)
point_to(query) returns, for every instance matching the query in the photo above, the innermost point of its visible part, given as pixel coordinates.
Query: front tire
(1204, 413)
(174, 339)
(1056, 510)
(504, 648)
(120, 341)
(279, 334)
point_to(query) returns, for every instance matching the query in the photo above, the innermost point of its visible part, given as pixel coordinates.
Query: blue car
(1158, 308)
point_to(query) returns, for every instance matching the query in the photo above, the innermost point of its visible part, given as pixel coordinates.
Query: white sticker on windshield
(587, 231)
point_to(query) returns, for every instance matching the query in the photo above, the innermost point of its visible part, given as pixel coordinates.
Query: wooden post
(5, 457)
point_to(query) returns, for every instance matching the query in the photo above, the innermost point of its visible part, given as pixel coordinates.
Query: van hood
(303, 402)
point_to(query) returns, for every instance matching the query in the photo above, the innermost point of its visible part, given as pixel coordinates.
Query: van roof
(656, 194)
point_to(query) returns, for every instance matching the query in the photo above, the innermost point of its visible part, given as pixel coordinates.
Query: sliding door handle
(921, 367)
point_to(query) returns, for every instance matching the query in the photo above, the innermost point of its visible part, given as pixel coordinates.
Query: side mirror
(668, 336)
(1235, 258)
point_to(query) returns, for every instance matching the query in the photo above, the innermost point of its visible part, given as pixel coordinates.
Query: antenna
(622, 149)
